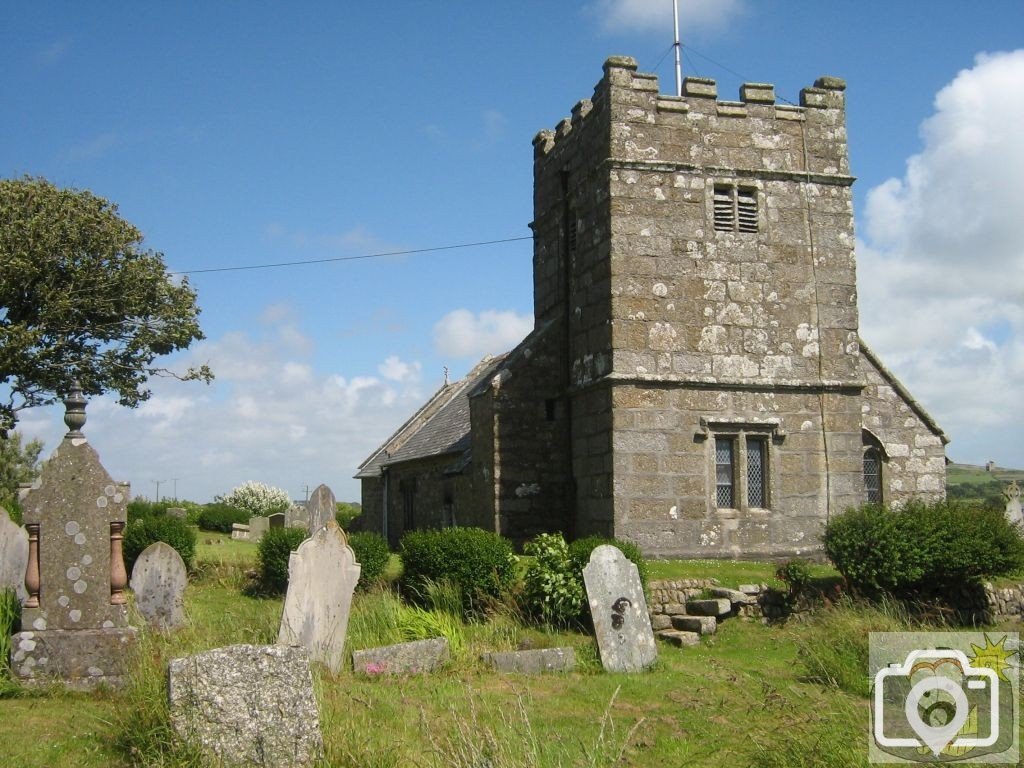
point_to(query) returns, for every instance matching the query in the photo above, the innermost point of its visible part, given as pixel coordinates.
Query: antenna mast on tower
(677, 46)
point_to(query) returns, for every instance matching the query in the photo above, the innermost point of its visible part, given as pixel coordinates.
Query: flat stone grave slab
(247, 705)
(13, 555)
(158, 580)
(402, 658)
(532, 662)
(322, 575)
(618, 607)
(702, 625)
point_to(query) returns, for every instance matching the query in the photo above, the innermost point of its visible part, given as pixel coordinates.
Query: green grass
(730, 573)
(751, 695)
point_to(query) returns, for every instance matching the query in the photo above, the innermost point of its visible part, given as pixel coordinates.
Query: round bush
(221, 517)
(372, 553)
(479, 562)
(142, 532)
(272, 555)
(579, 554)
(922, 548)
(258, 499)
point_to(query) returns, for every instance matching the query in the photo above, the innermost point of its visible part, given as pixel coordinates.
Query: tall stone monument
(322, 574)
(75, 617)
(321, 507)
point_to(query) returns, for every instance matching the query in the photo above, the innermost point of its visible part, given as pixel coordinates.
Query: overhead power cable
(350, 258)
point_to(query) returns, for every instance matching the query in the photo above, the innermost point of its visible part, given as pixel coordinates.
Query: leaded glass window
(757, 472)
(725, 472)
(872, 475)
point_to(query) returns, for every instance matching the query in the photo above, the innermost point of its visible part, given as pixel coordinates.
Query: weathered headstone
(75, 617)
(13, 555)
(401, 658)
(276, 520)
(158, 581)
(295, 517)
(320, 508)
(239, 531)
(1013, 508)
(257, 527)
(619, 610)
(247, 705)
(177, 512)
(322, 574)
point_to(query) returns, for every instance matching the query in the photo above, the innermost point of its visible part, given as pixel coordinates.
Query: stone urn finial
(74, 414)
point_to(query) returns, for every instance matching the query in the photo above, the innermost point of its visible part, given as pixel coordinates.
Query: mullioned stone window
(741, 477)
(735, 208)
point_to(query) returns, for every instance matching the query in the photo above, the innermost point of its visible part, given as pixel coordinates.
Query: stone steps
(684, 614)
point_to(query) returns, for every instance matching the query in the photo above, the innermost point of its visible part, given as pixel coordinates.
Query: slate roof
(441, 427)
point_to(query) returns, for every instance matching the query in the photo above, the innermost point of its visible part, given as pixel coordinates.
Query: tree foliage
(80, 298)
(19, 463)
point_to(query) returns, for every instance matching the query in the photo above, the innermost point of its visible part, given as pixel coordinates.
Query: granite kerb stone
(532, 662)
(415, 657)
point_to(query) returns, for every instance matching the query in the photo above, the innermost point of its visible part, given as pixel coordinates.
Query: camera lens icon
(933, 693)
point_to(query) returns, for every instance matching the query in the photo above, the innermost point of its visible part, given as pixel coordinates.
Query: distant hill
(975, 483)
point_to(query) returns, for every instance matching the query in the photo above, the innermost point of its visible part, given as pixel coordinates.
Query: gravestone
(239, 531)
(322, 574)
(320, 508)
(75, 617)
(533, 662)
(13, 555)
(257, 527)
(177, 512)
(247, 705)
(402, 658)
(619, 610)
(158, 581)
(276, 520)
(295, 517)
(1013, 507)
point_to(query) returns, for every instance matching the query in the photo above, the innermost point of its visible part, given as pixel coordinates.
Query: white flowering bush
(258, 499)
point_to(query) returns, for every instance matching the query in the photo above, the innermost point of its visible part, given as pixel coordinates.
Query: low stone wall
(668, 598)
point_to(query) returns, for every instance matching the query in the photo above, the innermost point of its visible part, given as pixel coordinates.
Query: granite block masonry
(75, 618)
(622, 625)
(13, 555)
(322, 575)
(247, 705)
(158, 580)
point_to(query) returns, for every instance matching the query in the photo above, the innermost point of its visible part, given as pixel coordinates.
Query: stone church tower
(695, 381)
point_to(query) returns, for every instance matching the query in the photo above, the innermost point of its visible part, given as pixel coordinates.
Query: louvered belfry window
(735, 208)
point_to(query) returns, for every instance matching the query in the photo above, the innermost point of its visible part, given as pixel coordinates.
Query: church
(695, 381)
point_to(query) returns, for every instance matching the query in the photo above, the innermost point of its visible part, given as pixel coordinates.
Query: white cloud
(461, 333)
(268, 416)
(656, 15)
(942, 272)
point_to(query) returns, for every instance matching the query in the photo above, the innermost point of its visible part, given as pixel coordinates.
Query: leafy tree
(80, 298)
(258, 499)
(19, 463)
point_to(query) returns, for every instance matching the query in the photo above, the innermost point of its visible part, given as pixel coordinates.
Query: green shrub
(372, 553)
(221, 517)
(142, 532)
(272, 555)
(579, 554)
(10, 619)
(480, 562)
(13, 507)
(258, 499)
(553, 588)
(797, 575)
(922, 548)
(346, 512)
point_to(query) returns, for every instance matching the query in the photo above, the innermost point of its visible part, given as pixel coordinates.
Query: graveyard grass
(742, 697)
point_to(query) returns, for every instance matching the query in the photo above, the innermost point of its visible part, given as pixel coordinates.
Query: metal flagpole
(677, 46)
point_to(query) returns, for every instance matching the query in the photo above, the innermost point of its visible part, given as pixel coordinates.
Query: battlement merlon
(782, 138)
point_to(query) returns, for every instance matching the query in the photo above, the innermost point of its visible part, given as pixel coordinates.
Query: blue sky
(242, 133)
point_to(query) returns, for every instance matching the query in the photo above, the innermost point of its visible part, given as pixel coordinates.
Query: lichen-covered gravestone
(158, 581)
(322, 574)
(247, 705)
(321, 507)
(1013, 506)
(75, 618)
(619, 610)
(13, 555)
